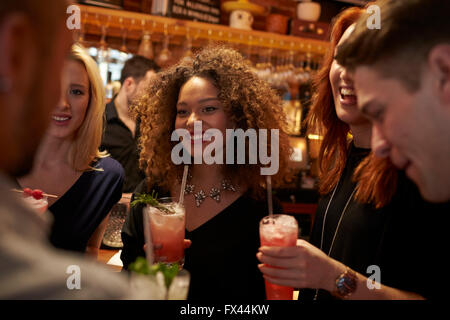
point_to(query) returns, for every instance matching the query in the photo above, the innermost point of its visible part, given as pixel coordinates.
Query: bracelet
(346, 284)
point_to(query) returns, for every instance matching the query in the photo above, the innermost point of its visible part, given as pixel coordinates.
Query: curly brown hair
(248, 101)
(376, 178)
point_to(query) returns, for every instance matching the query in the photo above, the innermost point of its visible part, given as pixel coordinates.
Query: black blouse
(222, 258)
(405, 239)
(79, 212)
(123, 147)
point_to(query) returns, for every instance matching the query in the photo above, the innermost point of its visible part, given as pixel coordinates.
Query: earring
(5, 84)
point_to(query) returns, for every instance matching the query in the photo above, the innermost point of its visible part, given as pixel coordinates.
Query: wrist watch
(346, 284)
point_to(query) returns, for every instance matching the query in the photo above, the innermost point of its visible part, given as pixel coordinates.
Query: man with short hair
(34, 42)
(122, 131)
(402, 81)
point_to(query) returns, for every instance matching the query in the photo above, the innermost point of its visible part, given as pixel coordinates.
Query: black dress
(79, 212)
(122, 146)
(222, 258)
(405, 239)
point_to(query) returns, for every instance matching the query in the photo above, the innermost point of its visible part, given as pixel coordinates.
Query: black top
(119, 142)
(79, 212)
(222, 258)
(405, 239)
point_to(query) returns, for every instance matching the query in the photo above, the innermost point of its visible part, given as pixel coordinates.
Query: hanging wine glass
(103, 53)
(290, 62)
(308, 69)
(123, 48)
(79, 34)
(146, 47)
(229, 40)
(165, 56)
(260, 63)
(269, 68)
(124, 33)
(278, 75)
(210, 39)
(291, 78)
(300, 73)
(238, 45)
(286, 68)
(247, 52)
(187, 52)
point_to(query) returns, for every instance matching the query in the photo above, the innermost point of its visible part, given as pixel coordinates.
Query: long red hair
(376, 178)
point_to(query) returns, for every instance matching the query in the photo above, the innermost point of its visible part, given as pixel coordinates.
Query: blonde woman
(69, 164)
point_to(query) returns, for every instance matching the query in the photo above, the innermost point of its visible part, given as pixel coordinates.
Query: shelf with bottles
(126, 30)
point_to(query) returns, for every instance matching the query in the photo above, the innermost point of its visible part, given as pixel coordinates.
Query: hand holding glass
(278, 230)
(167, 231)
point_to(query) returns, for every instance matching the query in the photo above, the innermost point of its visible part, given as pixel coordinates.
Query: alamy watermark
(74, 280)
(190, 147)
(74, 20)
(374, 20)
(374, 280)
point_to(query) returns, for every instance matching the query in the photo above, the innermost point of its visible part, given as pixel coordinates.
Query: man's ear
(439, 63)
(129, 85)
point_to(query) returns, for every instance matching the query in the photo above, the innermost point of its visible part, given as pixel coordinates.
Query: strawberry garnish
(27, 192)
(37, 194)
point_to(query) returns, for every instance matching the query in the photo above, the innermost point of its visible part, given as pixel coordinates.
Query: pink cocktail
(278, 230)
(167, 231)
(35, 199)
(39, 205)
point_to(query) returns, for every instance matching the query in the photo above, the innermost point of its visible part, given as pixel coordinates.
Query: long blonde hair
(85, 147)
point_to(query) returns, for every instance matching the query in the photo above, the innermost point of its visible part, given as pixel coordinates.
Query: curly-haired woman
(69, 164)
(220, 91)
(370, 219)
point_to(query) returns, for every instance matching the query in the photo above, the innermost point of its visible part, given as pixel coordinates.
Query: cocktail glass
(278, 230)
(112, 237)
(153, 287)
(39, 205)
(167, 229)
(179, 287)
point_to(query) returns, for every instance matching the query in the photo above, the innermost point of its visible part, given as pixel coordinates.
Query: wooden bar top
(104, 255)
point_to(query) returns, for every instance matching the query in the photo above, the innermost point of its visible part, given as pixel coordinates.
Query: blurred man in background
(122, 130)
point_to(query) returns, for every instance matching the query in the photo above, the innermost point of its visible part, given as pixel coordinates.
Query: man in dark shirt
(121, 134)
(403, 87)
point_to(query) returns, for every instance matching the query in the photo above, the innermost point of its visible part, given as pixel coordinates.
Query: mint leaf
(169, 272)
(150, 199)
(141, 266)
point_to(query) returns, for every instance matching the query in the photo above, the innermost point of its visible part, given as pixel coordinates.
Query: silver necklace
(338, 225)
(214, 192)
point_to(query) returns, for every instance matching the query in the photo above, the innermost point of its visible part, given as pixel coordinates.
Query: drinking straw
(148, 237)
(183, 184)
(269, 194)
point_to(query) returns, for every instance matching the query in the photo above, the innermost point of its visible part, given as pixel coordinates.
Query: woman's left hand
(302, 266)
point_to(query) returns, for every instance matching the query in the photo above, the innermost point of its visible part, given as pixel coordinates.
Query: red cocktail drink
(278, 230)
(167, 231)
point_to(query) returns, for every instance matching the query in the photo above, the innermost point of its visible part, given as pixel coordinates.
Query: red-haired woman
(370, 217)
